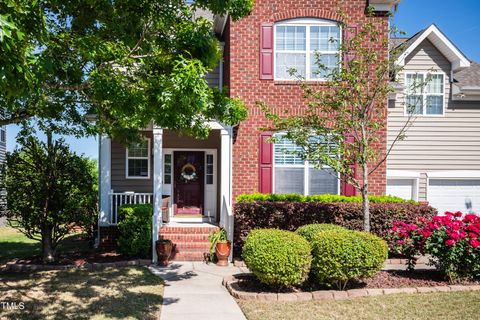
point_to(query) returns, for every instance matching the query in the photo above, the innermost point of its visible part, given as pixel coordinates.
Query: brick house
(193, 183)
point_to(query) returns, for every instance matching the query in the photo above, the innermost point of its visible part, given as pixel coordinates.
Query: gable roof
(458, 60)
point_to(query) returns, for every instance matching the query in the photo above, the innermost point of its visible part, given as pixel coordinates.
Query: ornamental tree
(50, 190)
(128, 62)
(344, 121)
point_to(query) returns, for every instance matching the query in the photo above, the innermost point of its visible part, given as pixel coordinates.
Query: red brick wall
(242, 75)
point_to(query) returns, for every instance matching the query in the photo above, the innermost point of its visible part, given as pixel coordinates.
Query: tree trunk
(365, 201)
(48, 252)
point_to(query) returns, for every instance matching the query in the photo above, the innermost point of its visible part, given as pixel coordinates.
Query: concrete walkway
(194, 290)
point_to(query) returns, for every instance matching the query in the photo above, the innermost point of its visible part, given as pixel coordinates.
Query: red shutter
(266, 163)
(348, 189)
(266, 51)
(349, 33)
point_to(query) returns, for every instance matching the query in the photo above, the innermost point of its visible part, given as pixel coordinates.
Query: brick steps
(191, 243)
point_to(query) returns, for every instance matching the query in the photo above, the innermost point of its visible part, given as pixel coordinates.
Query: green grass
(111, 293)
(451, 306)
(15, 245)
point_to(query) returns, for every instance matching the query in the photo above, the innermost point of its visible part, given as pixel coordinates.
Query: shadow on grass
(18, 250)
(81, 294)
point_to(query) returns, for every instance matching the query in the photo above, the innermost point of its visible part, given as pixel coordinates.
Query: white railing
(118, 199)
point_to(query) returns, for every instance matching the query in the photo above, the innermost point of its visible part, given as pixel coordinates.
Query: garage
(402, 188)
(454, 194)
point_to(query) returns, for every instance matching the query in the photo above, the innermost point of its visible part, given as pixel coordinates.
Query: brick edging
(336, 294)
(12, 267)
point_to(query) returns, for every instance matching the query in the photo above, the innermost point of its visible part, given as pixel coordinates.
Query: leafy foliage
(277, 257)
(50, 190)
(293, 197)
(342, 255)
(292, 215)
(452, 240)
(309, 231)
(127, 62)
(135, 228)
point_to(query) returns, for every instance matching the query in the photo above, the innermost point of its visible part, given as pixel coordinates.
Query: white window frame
(127, 176)
(424, 94)
(306, 173)
(303, 22)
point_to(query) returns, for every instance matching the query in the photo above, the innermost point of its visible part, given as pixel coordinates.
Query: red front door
(188, 184)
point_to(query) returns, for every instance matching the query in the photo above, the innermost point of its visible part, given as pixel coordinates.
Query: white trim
(105, 181)
(424, 93)
(454, 174)
(139, 158)
(307, 23)
(433, 33)
(415, 186)
(392, 174)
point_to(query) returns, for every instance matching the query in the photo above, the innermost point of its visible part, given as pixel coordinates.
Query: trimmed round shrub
(277, 257)
(340, 256)
(309, 231)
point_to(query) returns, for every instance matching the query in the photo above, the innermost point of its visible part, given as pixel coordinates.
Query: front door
(188, 187)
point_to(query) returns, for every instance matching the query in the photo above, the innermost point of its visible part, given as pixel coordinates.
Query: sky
(459, 20)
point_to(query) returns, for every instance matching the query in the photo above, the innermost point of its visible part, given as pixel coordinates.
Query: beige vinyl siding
(434, 143)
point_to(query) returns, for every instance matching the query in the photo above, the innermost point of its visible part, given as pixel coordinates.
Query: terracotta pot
(164, 251)
(222, 251)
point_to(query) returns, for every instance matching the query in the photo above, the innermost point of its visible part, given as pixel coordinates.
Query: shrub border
(328, 295)
(21, 267)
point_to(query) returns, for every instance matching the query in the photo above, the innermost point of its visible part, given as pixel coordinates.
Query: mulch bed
(383, 279)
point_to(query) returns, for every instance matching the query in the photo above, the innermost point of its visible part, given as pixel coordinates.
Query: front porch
(188, 182)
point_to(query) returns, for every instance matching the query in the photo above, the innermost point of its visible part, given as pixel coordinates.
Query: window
(424, 94)
(138, 160)
(209, 172)
(167, 169)
(298, 45)
(3, 134)
(294, 175)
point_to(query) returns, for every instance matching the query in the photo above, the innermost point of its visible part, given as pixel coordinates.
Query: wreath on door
(188, 173)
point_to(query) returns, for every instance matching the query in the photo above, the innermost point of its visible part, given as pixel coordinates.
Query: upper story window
(301, 43)
(425, 94)
(138, 160)
(293, 174)
(3, 134)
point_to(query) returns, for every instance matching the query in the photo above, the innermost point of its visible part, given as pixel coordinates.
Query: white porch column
(104, 176)
(226, 217)
(157, 187)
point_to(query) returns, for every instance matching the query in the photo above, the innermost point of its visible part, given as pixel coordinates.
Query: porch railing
(118, 199)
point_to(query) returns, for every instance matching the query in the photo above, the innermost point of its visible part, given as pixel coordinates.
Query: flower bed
(452, 241)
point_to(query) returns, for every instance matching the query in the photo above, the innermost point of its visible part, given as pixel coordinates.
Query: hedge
(292, 215)
(292, 197)
(135, 228)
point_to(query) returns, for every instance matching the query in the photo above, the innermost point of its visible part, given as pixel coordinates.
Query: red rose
(474, 243)
(450, 242)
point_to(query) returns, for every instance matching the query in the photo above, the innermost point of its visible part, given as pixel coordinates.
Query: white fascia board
(383, 5)
(454, 174)
(402, 174)
(460, 61)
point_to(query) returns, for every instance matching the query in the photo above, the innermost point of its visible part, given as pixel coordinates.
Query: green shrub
(309, 231)
(135, 228)
(292, 197)
(340, 256)
(277, 257)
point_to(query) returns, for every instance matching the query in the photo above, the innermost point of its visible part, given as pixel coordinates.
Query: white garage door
(454, 194)
(403, 188)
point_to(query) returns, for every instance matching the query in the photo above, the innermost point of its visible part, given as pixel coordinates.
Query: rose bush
(452, 241)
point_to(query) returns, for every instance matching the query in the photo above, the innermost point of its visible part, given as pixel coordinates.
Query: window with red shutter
(265, 163)
(266, 51)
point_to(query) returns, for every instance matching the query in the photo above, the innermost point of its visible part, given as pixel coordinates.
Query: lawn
(455, 305)
(112, 293)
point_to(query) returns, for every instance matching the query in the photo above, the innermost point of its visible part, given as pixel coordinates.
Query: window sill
(297, 83)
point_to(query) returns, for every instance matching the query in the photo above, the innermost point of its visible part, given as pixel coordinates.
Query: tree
(345, 119)
(128, 62)
(50, 190)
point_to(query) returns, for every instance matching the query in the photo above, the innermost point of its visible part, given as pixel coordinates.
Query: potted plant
(164, 249)
(219, 245)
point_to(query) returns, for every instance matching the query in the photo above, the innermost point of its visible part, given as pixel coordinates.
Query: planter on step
(164, 249)
(222, 251)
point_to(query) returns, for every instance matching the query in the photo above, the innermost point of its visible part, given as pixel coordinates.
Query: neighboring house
(3, 143)
(439, 161)
(191, 182)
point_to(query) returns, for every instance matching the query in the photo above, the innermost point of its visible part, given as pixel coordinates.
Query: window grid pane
(435, 84)
(167, 177)
(138, 167)
(138, 150)
(434, 105)
(285, 153)
(322, 181)
(289, 180)
(328, 61)
(209, 171)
